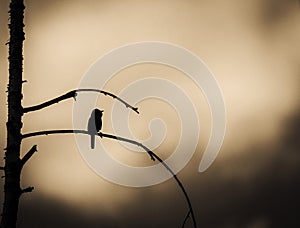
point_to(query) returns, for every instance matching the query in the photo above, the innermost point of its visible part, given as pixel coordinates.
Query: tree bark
(12, 190)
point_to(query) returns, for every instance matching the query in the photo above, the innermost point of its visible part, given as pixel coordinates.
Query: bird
(95, 125)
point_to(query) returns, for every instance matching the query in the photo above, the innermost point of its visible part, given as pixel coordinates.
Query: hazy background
(252, 47)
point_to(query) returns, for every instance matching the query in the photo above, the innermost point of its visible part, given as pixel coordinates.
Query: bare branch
(111, 95)
(51, 132)
(2, 168)
(51, 102)
(186, 218)
(151, 153)
(26, 190)
(153, 156)
(73, 94)
(129, 141)
(28, 155)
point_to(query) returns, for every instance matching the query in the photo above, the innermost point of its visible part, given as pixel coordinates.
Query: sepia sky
(252, 48)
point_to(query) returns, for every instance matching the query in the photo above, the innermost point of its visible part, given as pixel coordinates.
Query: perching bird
(95, 125)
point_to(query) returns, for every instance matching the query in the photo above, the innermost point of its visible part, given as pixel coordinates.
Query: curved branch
(73, 94)
(151, 153)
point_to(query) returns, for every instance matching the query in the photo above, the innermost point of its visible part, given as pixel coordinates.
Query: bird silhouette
(95, 125)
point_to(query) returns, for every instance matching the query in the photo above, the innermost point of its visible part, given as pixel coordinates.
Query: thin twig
(28, 155)
(26, 190)
(129, 141)
(73, 94)
(151, 153)
(181, 186)
(186, 218)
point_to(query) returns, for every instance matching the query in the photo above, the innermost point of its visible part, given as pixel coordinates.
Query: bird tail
(92, 141)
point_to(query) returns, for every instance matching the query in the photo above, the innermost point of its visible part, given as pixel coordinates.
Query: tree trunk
(12, 190)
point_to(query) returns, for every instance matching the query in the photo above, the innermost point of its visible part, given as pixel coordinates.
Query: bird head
(98, 112)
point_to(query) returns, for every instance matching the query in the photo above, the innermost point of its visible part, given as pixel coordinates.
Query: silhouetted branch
(151, 153)
(186, 218)
(73, 94)
(129, 141)
(26, 190)
(28, 155)
(51, 102)
(51, 132)
(180, 185)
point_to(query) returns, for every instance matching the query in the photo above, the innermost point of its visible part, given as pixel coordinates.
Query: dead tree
(12, 168)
